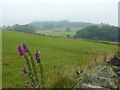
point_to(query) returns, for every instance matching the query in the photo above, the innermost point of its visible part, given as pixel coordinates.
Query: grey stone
(98, 77)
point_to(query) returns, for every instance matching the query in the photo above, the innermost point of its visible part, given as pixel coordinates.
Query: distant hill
(25, 28)
(60, 24)
(45, 25)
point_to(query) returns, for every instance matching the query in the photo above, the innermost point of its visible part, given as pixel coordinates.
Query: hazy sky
(26, 11)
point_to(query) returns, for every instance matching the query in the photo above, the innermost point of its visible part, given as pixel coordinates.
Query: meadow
(59, 31)
(61, 58)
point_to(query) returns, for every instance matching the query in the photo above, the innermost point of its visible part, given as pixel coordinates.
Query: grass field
(65, 54)
(59, 31)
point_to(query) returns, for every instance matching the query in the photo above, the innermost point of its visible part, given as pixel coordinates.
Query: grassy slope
(64, 53)
(61, 33)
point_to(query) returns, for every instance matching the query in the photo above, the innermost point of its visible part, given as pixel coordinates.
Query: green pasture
(58, 54)
(59, 31)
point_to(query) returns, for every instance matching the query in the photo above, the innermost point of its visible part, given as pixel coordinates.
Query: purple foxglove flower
(37, 56)
(29, 88)
(20, 50)
(24, 48)
(24, 71)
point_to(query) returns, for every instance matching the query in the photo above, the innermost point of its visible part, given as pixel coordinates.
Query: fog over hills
(26, 11)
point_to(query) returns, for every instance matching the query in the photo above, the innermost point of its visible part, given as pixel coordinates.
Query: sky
(26, 11)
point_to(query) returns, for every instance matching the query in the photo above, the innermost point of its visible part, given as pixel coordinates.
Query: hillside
(59, 24)
(64, 55)
(47, 25)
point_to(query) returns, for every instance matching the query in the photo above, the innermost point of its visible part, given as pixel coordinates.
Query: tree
(68, 29)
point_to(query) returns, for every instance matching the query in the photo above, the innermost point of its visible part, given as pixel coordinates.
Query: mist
(23, 12)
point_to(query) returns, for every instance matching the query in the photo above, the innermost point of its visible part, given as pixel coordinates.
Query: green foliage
(64, 53)
(105, 33)
(24, 28)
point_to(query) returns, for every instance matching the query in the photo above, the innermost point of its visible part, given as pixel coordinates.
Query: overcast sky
(26, 11)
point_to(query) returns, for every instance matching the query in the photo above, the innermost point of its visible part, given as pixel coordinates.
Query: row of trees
(34, 26)
(24, 28)
(105, 33)
(27, 28)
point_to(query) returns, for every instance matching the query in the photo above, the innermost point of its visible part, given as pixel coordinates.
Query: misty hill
(59, 24)
(34, 26)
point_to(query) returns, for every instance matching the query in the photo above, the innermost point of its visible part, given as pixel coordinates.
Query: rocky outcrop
(99, 77)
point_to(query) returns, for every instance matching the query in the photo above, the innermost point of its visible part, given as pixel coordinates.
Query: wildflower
(20, 50)
(25, 48)
(31, 83)
(37, 56)
(24, 71)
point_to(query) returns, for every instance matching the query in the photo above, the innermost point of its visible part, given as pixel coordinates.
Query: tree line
(104, 32)
(45, 25)
(25, 28)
